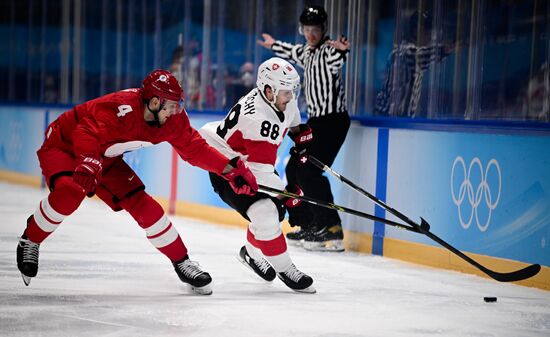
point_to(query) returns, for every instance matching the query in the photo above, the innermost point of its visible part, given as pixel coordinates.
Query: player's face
(283, 97)
(170, 108)
(313, 34)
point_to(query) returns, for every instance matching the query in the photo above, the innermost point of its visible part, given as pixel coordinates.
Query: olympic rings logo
(481, 192)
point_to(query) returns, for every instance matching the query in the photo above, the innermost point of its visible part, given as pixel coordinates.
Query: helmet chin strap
(156, 112)
(271, 103)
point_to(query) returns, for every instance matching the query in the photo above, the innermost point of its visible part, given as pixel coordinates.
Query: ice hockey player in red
(253, 131)
(82, 156)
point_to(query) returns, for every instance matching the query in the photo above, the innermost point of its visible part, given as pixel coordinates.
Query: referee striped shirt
(323, 86)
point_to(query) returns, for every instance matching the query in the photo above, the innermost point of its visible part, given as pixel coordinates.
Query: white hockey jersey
(253, 130)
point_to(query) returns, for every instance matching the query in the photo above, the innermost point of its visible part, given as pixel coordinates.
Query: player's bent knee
(265, 217)
(66, 195)
(143, 208)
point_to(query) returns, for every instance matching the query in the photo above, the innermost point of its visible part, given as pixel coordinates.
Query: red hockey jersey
(113, 124)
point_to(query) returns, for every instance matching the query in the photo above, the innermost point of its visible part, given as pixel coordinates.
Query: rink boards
(484, 193)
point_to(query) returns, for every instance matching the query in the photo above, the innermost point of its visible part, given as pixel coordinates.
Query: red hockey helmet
(162, 84)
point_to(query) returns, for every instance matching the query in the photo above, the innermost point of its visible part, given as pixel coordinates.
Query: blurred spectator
(535, 100)
(246, 73)
(177, 62)
(407, 63)
(195, 83)
(192, 78)
(242, 84)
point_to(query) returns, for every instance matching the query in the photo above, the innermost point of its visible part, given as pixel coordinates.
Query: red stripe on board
(173, 183)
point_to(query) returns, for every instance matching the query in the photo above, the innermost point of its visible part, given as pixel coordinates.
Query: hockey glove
(302, 140)
(299, 213)
(87, 174)
(241, 179)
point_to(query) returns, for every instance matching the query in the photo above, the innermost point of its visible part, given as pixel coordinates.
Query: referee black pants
(329, 133)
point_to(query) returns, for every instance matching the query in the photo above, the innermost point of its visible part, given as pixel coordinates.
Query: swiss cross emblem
(288, 68)
(275, 66)
(163, 78)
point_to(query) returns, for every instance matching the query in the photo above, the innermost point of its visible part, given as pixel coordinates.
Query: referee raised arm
(322, 60)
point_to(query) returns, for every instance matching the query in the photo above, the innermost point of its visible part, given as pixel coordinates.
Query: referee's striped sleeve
(294, 52)
(336, 58)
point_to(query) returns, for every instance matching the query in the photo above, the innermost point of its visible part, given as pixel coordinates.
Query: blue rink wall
(486, 194)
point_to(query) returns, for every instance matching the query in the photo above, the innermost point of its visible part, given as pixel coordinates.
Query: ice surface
(99, 276)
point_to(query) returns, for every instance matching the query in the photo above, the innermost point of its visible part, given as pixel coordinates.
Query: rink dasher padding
(437, 175)
(20, 179)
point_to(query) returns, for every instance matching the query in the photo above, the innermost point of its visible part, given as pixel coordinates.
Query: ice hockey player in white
(253, 131)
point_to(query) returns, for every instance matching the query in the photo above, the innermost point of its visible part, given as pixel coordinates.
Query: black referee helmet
(314, 16)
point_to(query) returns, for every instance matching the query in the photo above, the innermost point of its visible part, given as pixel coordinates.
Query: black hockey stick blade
(263, 188)
(517, 275)
(424, 228)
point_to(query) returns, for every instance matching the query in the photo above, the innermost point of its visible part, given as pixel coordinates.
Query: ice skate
(190, 272)
(325, 239)
(297, 237)
(27, 259)
(261, 267)
(296, 280)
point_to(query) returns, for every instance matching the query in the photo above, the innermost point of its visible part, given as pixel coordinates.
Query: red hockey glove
(241, 179)
(302, 141)
(299, 213)
(302, 137)
(87, 174)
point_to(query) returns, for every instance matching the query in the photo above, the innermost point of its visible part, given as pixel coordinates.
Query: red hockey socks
(61, 202)
(274, 251)
(158, 228)
(270, 247)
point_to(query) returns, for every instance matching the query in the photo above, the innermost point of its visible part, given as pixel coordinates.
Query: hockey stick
(424, 228)
(263, 188)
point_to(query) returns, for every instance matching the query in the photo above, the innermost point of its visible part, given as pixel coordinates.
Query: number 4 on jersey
(123, 110)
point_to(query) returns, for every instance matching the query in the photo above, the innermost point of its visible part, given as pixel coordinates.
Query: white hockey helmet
(279, 75)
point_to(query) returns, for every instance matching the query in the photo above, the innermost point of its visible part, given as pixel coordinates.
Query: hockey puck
(490, 299)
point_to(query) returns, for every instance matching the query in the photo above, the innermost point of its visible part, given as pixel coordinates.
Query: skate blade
(308, 290)
(295, 243)
(327, 246)
(26, 279)
(243, 262)
(204, 290)
(250, 268)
